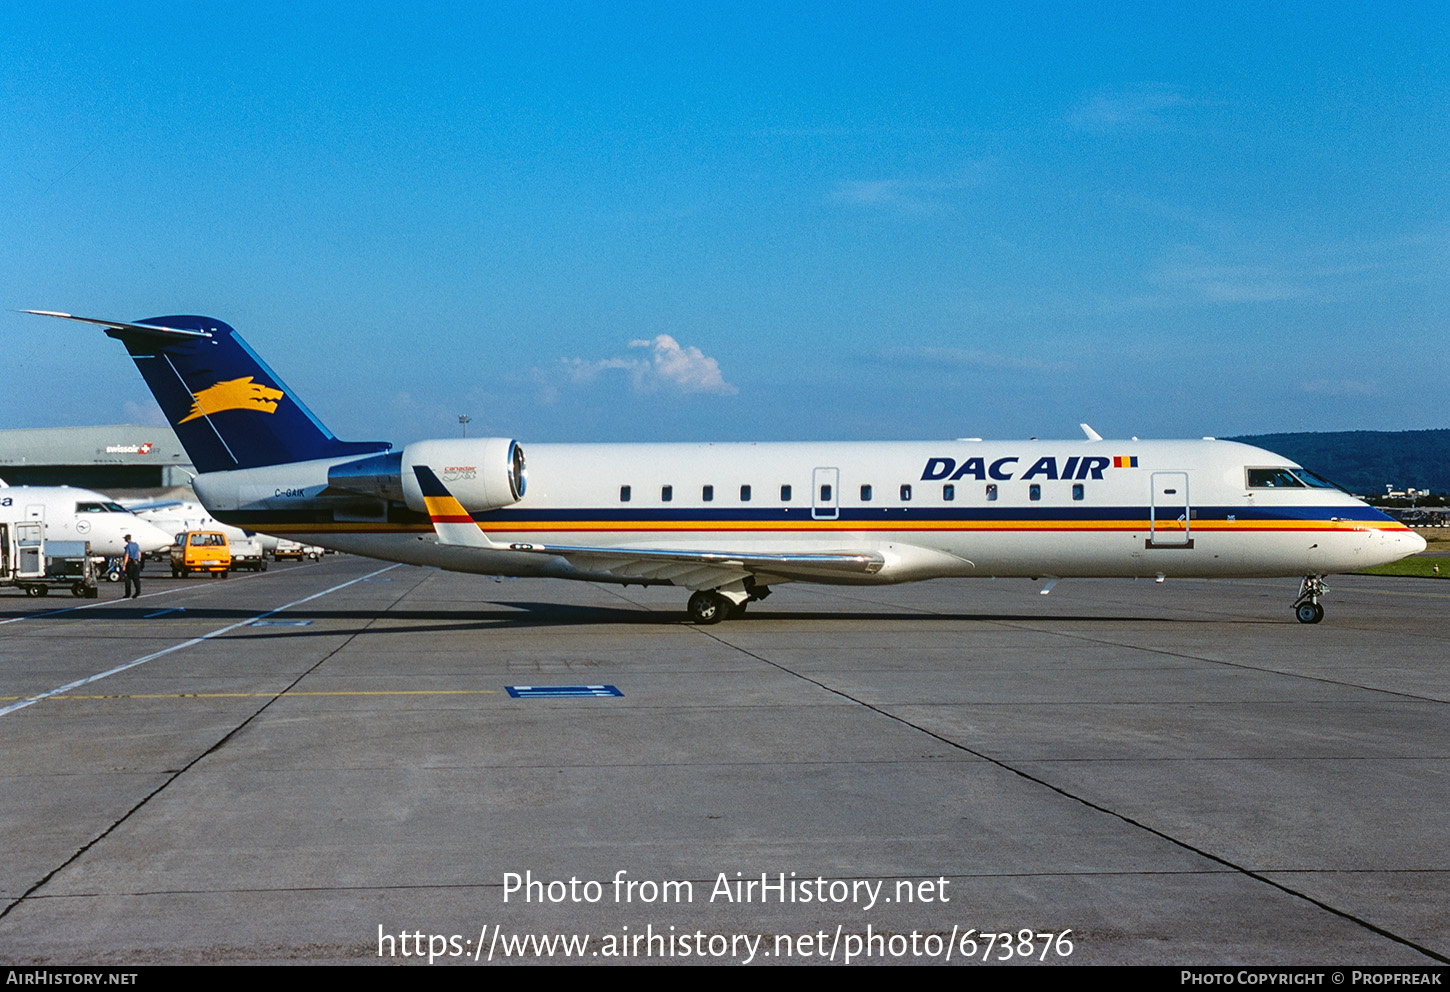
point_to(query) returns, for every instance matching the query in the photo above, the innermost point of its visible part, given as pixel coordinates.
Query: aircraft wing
(691, 568)
(709, 569)
(142, 505)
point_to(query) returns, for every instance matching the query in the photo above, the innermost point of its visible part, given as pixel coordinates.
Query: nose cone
(1386, 547)
(149, 537)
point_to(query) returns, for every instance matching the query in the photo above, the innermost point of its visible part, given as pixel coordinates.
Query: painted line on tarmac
(260, 695)
(122, 602)
(31, 700)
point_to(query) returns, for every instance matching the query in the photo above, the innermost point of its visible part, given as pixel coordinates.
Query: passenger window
(949, 492)
(667, 493)
(1034, 491)
(785, 494)
(745, 494)
(825, 494)
(865, 494)
(624, 494)
(707, 494)
(906, 494)
(991, 492)
(1077, 490)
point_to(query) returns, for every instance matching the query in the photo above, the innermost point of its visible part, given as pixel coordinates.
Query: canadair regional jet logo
(234, 394)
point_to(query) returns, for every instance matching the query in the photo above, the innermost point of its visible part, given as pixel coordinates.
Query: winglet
(454, 525)
(1092, 435)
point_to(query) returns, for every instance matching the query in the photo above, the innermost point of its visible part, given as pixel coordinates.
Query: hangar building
(123, 458)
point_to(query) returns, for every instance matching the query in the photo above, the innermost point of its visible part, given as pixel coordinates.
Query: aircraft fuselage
(930, 509)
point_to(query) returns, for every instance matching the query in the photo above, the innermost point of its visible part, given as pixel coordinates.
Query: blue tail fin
(228, 408)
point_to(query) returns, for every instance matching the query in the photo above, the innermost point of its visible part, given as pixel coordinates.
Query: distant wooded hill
(1366, 461)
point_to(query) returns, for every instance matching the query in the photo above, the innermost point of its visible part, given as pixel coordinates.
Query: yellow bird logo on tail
(234, 394)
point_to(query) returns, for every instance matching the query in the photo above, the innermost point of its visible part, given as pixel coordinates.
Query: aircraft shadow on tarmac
(517, 614)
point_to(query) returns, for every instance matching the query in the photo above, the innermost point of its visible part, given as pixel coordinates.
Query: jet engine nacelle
(483, 474)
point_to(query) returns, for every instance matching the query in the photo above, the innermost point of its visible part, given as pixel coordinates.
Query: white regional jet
(731, 521)
(80, 515)
(173, 516)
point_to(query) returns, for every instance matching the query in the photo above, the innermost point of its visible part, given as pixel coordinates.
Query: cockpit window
(1273, 478)
(101, 508)
(1317, 481)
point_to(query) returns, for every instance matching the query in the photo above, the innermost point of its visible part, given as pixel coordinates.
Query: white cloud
(1135, 108)
(1234, 283)
(1339, 387)
(972, 358)
(687, 369)
(912, 194)
(871, 191)
(146, 414)
(669, 367)
(583, 372)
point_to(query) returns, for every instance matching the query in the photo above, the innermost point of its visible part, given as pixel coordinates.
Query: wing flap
(709, 569)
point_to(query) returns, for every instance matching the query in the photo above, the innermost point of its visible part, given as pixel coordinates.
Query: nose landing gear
(1306, 607)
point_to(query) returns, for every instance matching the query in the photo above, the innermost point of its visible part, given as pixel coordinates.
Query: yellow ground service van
(200, 551)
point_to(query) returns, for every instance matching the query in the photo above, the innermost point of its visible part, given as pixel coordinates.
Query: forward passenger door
(1168, 512)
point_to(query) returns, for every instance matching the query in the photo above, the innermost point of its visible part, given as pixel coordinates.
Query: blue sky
(742, 221)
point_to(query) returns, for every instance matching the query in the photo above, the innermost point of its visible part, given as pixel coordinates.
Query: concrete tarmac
(323, 761)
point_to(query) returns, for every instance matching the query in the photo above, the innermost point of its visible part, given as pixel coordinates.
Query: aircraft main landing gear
(726, 603)
(1306, 607)
(709, 607)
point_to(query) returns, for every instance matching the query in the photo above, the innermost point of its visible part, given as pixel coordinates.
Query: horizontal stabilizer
(118, 325)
